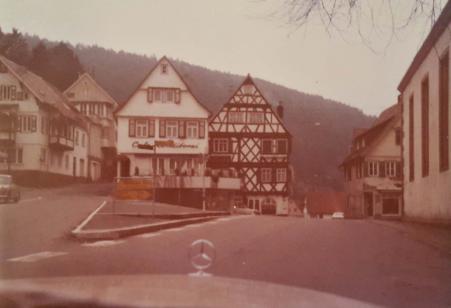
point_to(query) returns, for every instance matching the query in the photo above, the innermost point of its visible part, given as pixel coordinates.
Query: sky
(236, 36)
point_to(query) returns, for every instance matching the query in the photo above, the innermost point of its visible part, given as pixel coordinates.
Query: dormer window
(164, 68)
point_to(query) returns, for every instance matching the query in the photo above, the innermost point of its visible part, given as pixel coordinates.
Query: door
(369, 203)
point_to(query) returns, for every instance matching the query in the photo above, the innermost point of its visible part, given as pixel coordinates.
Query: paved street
(359, 259)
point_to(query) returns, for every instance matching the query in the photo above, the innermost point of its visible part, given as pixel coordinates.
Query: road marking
(147, 235)
(37, 256)
(84, 222)
(102, 243)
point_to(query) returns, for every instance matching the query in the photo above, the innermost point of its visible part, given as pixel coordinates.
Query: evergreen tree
(63, 66)
(14, 47)
(39, 62)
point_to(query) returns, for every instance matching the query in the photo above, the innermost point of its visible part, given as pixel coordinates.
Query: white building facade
(426, 114)
(42, 140)
(91, 100)
(373, 171)
(162, 111)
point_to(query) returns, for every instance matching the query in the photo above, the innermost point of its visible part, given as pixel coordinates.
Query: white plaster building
(163, 110)
(373, 175)
(424, 97)
(42, 139)
(94, 102)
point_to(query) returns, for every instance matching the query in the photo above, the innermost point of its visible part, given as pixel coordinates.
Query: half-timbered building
(248, 136)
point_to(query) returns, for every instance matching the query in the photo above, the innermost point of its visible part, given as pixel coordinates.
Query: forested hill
(321, 128)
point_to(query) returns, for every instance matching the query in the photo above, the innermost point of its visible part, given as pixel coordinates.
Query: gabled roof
(439, 27)
(164, 58)
(86, 76)
(41, 89)
(249, 80)
(386, 119)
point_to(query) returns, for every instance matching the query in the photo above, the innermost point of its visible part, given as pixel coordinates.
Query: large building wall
(426, 198)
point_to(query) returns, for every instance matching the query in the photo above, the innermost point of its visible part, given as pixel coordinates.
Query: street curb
(172, 216)
(110, 234)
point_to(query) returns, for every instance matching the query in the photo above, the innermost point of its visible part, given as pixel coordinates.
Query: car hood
(165, 290)
(3, 186)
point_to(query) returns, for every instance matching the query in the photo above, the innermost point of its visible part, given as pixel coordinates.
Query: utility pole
(204, 163)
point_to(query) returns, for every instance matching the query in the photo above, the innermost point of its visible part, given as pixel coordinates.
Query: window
(66, 162)
(83, 141)
(256, 117)
(411, 140)
(83, 108)
(171, 129)
(27, 123)
(7, 92)
(425, 126)
(266, 146)
(390, 168)
(236, 117)
(444, 113)
(220, 145)
(157, 95)
(163, 95)
(164, 68)
(192, 129)
(266, 175)
(19, 159)
(141, 128)
(373, 168)
(170, 95)
(281, 175)
(282, 146)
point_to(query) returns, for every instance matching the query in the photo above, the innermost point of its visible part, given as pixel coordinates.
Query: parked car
(8, 190)
(338, 215)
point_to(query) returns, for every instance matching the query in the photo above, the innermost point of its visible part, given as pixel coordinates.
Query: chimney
(280, 110)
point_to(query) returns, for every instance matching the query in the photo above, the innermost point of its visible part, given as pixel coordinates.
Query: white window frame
(266, 175)
(390, 168)
(221, 145)
(192, 129)
(281, 175)
(141, 128)
(373, 168)
(256, 117)
(236, 117)
(172, 129)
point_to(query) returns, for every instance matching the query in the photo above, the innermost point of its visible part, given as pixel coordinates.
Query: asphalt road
(353, 258)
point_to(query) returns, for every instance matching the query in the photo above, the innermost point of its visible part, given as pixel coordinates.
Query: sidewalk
(436, 236)
(117, 219)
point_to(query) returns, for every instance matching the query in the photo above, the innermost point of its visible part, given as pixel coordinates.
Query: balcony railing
(188, 182)
(61, 143)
